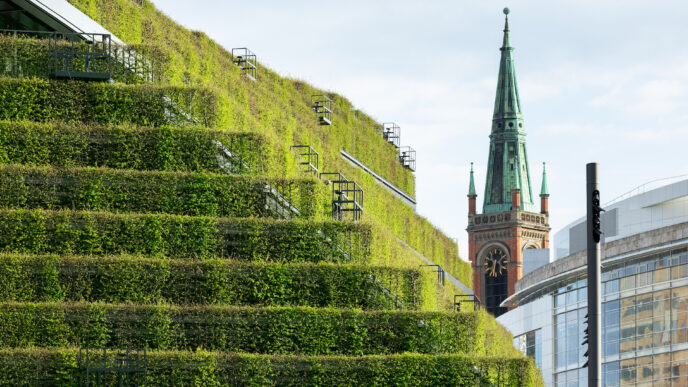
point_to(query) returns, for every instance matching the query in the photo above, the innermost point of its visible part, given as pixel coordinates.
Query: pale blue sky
(599, 81)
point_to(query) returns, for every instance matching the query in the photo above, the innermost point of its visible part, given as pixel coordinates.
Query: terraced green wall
(158, 217)
(53, 367)
(279, 108)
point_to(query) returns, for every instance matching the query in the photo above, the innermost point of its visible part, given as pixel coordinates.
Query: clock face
(495, 263)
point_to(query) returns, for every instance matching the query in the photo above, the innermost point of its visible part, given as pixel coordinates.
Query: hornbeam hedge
(118, 279)
(31, 57)
(94, 233)
(48, 367)
(188, 148)
(43, 100)
(164, 192)
(269, 330)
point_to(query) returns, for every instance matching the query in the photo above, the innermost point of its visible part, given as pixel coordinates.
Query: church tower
(509, 223)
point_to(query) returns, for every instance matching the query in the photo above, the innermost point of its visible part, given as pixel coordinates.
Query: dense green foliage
(182, 253)
(96, 233)
(280, 108)
(167, 368)
(273, 330)
(416, 231)
(188, 149)
(40, 101)
(43, 100)
(28, 55)
(133, 279)
(164, 192)
(193, 149)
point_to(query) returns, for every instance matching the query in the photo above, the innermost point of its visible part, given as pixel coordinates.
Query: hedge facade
(178, 193)
(270, 330)
(44, 100)
(165, 368)
(30, 56)
(136, 216)
(165, 148)
(95, 233)
(118, 279)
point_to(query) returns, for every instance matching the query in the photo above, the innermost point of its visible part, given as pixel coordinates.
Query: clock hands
(494, 261)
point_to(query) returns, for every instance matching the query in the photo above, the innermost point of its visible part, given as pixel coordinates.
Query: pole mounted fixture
(594, 231)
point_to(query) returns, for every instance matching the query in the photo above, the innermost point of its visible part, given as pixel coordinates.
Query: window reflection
(644, 331)
(530, 344)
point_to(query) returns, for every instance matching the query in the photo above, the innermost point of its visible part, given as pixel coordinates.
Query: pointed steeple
(471, 186)
(544, 191)
(508, 162)
(507, 103)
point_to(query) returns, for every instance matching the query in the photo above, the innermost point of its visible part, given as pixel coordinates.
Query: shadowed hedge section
(50, 367)
(163, 192)
(31, 57)
(95, 233)
(270, 330)
(44, 100)
(118, 279)
(188, 149)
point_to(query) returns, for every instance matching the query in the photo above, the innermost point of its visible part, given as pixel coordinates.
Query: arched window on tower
(495, 263)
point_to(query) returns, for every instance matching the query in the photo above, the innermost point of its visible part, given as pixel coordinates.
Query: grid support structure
(88, 56)
(407, 157)
(246, 60)
(113, 366)
(322, 106)
(309, 158)
(440, 273)
(462, 299)
(391, 133)
(347, 197)
(80, 55)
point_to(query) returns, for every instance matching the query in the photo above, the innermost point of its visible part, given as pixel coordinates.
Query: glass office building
(644, 298)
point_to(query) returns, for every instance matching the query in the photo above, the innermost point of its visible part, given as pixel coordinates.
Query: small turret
(471, 194)
(515, 199)
(544, 193)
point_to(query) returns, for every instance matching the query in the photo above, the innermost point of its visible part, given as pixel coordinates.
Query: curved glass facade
(644, 323)
(644, 287)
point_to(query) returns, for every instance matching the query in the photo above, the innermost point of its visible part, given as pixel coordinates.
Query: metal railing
(246, 60)
(322, 106)
(347, 196)
(310, 159)
(461, 299)
(391, 133)
(80, 55)
(113, 366)
(75, 55)
(440, 273)
(407, 157)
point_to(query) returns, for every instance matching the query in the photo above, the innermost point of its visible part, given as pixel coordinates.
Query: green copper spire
(508, 162)
(471, 186)
(544, 191)
(507, 102)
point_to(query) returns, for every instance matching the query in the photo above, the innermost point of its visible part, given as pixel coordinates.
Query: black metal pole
(594, 305)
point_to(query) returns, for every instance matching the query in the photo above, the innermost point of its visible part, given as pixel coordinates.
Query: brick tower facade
(509, 223)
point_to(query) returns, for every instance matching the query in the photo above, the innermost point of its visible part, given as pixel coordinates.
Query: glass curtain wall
(530, 344)
(644, 324)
